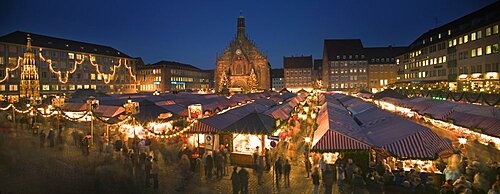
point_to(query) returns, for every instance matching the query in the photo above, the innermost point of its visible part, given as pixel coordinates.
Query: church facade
(242, 67)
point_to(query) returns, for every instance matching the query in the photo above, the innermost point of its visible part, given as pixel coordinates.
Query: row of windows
(351, 56)
(11, 88)
(349, 85)
(427, 62)
(342, 71)
(181, 79)
(479, 68)
(382, 60)
(380, 82)
(347, 63)
(424, 74)
(347, 77)
(150, 71)
(473, 36)
(46, 87)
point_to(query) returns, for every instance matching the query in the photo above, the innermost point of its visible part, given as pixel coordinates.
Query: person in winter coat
(286, 170)
(328, 179)
(51, 137)
(209, 163)
(42, 139)
(278, 170)
(243, 174)
(315, 178)
(235, 180)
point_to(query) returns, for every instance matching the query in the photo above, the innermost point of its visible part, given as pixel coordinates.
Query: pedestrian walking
(286, 169)
(148, 165)
(268, 160)
(358, 183)
(328, 179)
(260, 170)
(278, 170)
(218, 164)
(340, 177)
(154, 173)
(315, 178)
(235, 180)
(185, 171)
(209, 163)
(307, 164)
(243, 175)
(42, 139)
(85, 143)
(51, 137)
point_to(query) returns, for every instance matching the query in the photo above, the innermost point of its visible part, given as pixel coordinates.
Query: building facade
(345, 66)
(462, 55)
(298, 72)
(64, 66)
(382, 69)
(166, 76)
(236, 64)
(277, 79)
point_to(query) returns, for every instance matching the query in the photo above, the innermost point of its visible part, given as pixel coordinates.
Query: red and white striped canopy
(335, 141)
(424, 144)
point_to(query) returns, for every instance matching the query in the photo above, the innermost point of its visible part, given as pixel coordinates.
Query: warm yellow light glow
(462, 140)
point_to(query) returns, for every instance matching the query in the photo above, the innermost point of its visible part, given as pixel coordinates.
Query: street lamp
(306, 107)
(93, 104)
(58, 102)
(462, 140)
(313, 115)
(304, 116)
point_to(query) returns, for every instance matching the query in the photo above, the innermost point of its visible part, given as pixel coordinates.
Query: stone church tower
(238, 61)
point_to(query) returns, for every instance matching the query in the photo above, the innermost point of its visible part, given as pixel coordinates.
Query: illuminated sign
(156, 83)
(177, 83)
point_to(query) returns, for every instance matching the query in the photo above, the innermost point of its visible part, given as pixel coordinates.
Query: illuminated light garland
(107, 79)
(7, 70)
(110, 76)
(7, 107)
(59, 73)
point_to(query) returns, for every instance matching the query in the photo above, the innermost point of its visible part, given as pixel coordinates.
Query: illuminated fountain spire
(30, 83)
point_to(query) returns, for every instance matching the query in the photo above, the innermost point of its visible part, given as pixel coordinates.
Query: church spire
(241, 25)
(28, 46)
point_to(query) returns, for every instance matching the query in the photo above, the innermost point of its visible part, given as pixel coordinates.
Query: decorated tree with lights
(252, 82)
(223, 82)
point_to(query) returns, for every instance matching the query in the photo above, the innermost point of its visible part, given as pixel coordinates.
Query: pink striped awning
(336, 141)
(422, 145)
(201, 127)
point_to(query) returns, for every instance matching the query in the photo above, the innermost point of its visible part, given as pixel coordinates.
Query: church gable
(239, 59)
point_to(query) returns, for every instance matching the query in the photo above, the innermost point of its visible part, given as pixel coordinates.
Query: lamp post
(93, 104)
(12, 100)
(131, 108)
(462, 141)
(58, 102)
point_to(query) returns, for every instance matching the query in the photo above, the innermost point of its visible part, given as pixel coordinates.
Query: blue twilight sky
(193, 32)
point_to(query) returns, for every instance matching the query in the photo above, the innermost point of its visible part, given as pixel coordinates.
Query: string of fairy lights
(129, 121)
(63, 77)
(107, 77)
(8, 69)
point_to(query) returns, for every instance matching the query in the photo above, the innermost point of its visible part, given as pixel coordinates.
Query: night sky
(194, 31)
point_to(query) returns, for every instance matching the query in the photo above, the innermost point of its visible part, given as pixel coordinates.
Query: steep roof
(298, 62)
(481, 17)
(37, 40)
(277, 73)
(170, 64)
(338, 47)
(383, 52)
(318, 64)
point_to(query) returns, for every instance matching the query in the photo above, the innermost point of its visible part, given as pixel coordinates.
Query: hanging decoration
(8, 69)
